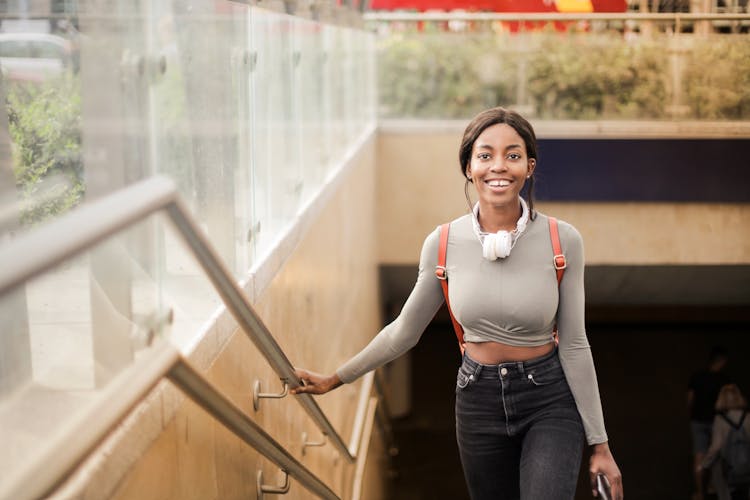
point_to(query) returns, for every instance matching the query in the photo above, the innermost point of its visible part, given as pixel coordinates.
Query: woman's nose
(498, 166)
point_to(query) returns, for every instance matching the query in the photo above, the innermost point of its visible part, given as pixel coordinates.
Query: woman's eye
(483, 156)
(514, 156)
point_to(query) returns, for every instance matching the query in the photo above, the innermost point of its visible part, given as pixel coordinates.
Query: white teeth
(499, 183)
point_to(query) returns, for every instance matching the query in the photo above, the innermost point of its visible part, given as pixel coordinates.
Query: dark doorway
(643, 371)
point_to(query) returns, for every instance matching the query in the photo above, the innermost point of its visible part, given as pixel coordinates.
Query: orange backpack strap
(442, 274)
(558, 260)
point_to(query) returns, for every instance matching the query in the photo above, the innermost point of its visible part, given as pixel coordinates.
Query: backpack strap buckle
(441, 272)
(559, 262)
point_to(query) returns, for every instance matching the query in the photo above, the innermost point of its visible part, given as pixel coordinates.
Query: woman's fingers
(304, 377)
(315, 383)
(311, 383)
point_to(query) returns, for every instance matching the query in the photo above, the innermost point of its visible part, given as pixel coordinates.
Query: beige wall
(322, 306)
(420, 186)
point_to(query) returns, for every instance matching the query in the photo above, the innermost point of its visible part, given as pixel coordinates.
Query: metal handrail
(92, 223)
(235, 300)
(226, 412)
(42, 477)
(372, 380)
(383, 415)
(359, 473)
(360, 416)
(66, 449)
(32, 254)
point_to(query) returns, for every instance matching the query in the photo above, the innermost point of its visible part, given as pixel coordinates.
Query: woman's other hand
(315, 383)
(602, 462)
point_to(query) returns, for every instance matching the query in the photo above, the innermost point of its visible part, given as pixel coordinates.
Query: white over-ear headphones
(498, 245)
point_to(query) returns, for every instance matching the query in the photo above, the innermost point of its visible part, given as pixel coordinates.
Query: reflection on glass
(44, 128)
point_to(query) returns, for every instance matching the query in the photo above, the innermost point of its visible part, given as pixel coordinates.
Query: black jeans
(518, 430)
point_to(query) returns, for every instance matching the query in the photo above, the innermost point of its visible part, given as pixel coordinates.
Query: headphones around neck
(498, 245)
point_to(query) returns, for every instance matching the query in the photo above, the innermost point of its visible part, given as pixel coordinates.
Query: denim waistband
(511, 366)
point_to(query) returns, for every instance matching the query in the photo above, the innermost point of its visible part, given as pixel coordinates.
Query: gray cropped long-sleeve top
(514, 300)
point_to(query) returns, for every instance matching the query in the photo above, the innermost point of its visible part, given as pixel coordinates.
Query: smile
(498, 183)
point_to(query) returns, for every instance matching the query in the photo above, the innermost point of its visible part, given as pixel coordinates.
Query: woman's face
(499, 165)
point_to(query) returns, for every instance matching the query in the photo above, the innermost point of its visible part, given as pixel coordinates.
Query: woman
(522, 403)
(730, 412)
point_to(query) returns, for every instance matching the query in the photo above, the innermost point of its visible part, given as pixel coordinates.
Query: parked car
(34, 57)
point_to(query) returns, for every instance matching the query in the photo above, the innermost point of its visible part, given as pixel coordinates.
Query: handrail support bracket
(258, 395)
(261, 489)
(306, 443)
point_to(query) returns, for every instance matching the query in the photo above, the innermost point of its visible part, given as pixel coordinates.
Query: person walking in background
(728, 456)
(703, 389)
(524, 402)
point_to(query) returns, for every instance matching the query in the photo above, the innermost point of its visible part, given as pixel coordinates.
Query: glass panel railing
(585, 70)
(335, 85)
(310, 98)
(198, 115)
(247, 110)
(276, 173)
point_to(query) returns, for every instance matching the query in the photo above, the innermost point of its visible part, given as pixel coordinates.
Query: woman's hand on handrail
(315, 383)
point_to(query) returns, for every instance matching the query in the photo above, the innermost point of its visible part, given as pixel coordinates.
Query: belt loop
(477, 370)
(519, 365)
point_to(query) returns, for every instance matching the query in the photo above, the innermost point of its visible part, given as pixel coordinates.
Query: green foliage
(590, 77)
(443, 75)
(553, 75)
(44, 123)
(718, 78)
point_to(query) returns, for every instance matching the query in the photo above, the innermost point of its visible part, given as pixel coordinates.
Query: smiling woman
(525, 398)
